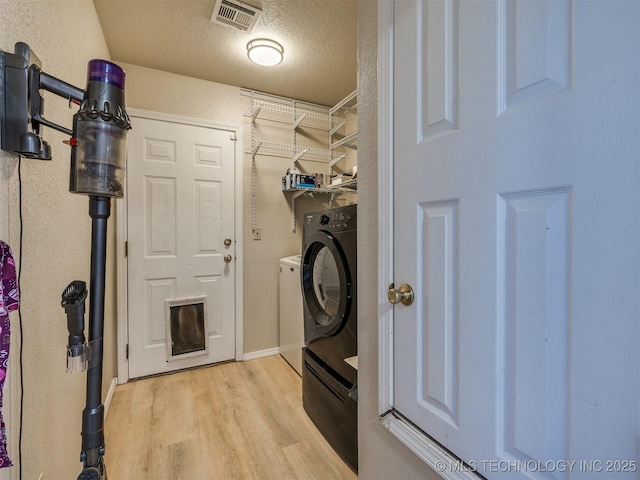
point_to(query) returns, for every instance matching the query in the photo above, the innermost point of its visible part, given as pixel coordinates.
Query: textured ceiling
(318, 36)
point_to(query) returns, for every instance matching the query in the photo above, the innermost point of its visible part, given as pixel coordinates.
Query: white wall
(381, 456)
(65, 34)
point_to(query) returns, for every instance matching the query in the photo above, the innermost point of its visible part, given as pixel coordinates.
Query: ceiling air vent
(236, 14)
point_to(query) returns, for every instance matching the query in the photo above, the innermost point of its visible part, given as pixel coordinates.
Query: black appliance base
(326, 399)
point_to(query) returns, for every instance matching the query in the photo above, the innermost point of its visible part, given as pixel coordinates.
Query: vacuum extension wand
(93, 414)
(82, 356)
(88, 356)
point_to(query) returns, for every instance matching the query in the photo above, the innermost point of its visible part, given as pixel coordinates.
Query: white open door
(181, 246)
(516, 219)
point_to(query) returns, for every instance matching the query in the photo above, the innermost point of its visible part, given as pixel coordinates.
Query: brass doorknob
(403, 295)
(228, 258)
(227, 242)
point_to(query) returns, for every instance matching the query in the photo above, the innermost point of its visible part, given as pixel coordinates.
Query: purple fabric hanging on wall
(9, 300)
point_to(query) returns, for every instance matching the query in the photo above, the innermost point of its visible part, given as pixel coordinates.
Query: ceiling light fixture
(265, 52)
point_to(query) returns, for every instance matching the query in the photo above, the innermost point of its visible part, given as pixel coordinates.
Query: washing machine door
(326, 286)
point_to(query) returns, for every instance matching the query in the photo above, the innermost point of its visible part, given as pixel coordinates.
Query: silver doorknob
(403, 295)
(228, 258)
(227, 242)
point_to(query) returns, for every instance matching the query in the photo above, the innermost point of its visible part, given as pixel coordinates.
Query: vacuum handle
(41, 80)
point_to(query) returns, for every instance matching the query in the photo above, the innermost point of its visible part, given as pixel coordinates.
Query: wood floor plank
(232, 421)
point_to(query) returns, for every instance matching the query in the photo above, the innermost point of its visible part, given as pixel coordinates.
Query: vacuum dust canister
(99, 145)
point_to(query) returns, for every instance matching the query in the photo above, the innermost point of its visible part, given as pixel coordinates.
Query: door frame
(122, 317)
(428, 450)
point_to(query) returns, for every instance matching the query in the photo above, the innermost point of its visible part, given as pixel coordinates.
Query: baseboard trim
(107, 400)
(261, 353)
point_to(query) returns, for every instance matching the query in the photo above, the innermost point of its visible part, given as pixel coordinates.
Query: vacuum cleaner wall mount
(23, 111)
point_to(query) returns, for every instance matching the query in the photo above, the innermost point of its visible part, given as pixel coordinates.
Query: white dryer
(291, 315)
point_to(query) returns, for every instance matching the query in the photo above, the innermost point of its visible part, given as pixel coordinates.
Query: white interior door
(180, 210)
(516, 196)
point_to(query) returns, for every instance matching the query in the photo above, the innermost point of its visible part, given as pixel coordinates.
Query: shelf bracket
(254, 150)
(299, 155)
(337, 126)
(255, 114)
(336, 160)
(298, 121)
(347, 141)
(297, 194)
(343, 102)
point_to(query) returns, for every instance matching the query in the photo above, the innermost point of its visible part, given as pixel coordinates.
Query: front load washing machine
(329, 288)
(328, 276)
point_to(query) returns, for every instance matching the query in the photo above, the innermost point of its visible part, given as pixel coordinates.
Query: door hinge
(126, 351)
(126, 249)
(233, 137)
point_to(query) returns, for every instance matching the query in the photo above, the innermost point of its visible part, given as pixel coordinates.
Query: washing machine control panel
(335, 221)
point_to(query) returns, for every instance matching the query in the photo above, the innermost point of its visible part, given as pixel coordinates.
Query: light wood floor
(231, 421)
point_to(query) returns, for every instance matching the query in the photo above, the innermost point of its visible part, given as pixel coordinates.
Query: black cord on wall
(20, 316)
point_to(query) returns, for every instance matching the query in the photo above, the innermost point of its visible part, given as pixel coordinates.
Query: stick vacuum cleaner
(98, 157)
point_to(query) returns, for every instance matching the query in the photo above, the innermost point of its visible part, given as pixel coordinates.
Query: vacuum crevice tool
(78, 351)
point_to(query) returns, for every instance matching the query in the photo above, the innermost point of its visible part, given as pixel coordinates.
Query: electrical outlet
(257, 233)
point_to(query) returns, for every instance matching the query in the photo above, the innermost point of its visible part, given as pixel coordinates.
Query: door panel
(533, 322)
(516, 195)
(438, 237)
(180, 209)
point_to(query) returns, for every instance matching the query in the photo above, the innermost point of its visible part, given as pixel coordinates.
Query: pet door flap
(186, 320)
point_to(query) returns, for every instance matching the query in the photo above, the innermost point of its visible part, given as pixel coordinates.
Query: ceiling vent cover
(235, 14)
